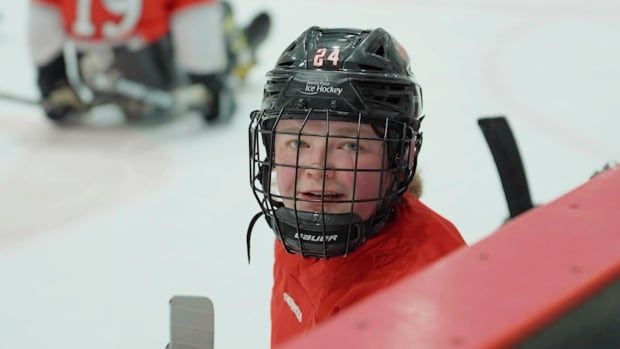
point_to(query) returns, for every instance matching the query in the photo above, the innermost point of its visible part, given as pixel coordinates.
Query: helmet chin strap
(320, 235)
(312, 234)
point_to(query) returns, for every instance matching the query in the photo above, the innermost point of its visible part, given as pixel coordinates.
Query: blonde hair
(415, 187)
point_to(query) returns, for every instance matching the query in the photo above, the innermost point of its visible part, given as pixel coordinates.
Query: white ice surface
(100, 226)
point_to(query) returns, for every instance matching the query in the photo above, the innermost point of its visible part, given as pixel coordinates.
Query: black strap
(249, 233)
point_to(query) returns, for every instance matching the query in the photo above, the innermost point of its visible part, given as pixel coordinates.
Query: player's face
(327, 167)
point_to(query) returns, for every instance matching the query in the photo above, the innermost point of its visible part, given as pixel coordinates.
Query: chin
(318, 208)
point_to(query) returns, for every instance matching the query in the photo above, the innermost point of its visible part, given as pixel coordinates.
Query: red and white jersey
(308, 291)
(118, 20)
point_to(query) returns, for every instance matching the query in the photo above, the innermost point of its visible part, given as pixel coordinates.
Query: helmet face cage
(372, 90)
(320, 232)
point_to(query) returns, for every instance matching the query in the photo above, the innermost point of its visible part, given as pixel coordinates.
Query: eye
(351, 146)
(296, 144)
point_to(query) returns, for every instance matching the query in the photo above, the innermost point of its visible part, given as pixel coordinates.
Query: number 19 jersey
(118, 20)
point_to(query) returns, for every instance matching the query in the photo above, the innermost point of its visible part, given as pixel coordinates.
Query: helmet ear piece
(410, 156)
(265, 179)
(417, 144)
(269, 183)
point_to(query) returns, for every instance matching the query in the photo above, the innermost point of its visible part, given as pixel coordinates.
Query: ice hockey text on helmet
(314, 87)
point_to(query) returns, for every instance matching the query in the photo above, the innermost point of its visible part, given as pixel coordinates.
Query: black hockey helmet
(359, 76)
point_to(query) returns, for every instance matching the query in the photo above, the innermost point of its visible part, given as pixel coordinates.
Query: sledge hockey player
(146, 55)
(333, 154)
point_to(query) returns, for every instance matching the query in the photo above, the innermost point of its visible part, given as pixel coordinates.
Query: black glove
(222, 104)
(60, 102)
(62, 105)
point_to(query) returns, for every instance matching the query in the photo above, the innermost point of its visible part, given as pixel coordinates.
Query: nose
(318, 159)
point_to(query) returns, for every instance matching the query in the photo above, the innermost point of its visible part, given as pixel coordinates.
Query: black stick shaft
(503, 146)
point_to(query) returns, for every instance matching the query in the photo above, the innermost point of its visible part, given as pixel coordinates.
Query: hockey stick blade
(503, 146)
(191, 323)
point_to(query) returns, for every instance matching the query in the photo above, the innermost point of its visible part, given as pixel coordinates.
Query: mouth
(318, 196)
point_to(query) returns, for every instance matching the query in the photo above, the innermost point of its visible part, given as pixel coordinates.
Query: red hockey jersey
(118, 20)
(308, 291)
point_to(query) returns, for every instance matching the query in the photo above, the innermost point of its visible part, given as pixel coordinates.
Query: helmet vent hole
(370, 67)
(393, 100)
(380, 51)
(291, 47)
(398, 88)
(286, 64)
